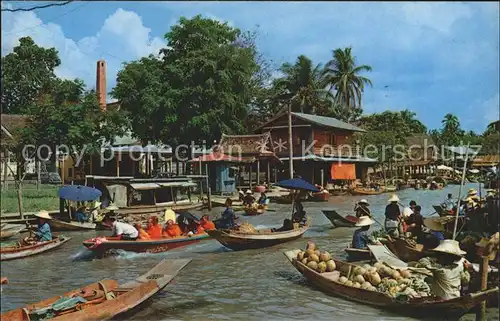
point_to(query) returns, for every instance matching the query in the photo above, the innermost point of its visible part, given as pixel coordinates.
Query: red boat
(101, 245)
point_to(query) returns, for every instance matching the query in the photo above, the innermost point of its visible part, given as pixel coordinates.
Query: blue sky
(431, 58)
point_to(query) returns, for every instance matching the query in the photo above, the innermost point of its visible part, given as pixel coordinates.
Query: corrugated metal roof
(328, 122)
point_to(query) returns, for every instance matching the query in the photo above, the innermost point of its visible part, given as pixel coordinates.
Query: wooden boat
(320, 197)
(390, 189)
(402, 250)
(365, 191)
(422, 307)
(441, 211)
(107, 299)
(339, 220)
(9, 230)
(250, 211)
(103, 245)
(358, 254)
(221, 202)
(239, 241)
(59, 225)
(17, 252)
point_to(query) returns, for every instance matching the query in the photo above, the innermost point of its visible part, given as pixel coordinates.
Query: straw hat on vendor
(363, 202)
(111, 208)
(248, 192)
(407, 212)
(489, 247)
(43, 215)
(450, 247)
(364, 221)
(394, 198)
(433, 224)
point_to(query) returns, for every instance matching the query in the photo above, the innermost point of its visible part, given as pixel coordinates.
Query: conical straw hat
(394, 198)
(364, 221)
(433, 224)
(449, 247)
(44, 215)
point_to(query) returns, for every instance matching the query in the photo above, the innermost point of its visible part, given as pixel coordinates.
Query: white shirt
(120, 228)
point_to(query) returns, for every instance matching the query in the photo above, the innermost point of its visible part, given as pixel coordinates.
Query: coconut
(300, 255)
(365, 285)
(378, 265)
(366, 266)
(310, 246)
(348, 283)
(312, 265)
(343, 279)
(308, 252)
(321, 267)
(374, 278)
(314, 258)
(304, 261)
(324, 256)
(330, 265)
(356, 285)
(317, 252)
(405, 274)
(372, 270)
(396, 275)
(359, 278)
(372, 288)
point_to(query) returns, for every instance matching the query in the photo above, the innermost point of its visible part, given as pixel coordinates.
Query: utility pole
(290, 137)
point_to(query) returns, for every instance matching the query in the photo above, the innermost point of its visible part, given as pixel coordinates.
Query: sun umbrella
(78, 193)
(298, 184)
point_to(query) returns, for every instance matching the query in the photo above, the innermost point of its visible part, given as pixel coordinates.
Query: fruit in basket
(348, 283)
(310, 246)
(308, 252)
(314, 258)
(374, 278)
(356, 285)
(321, 267)
(405, 273)
(312, 265)
(300, 255)
(324, 256)
(330, 266)
(359, 278)
(343, 279)
(304, 261)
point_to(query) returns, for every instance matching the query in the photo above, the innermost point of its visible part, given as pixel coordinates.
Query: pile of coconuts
(320, 261)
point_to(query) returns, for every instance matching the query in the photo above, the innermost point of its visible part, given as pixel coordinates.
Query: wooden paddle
(371, 216)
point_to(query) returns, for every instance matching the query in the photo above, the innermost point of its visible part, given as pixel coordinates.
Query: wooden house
(322, 148)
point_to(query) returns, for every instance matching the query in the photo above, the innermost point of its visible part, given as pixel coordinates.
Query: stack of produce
(319, 261)
(402, 285)
(246, 227)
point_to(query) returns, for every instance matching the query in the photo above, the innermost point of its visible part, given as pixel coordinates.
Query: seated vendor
(434, 236)
(262, 200)
(415, 222)
(249, 199)
(143, 235)
(154, 228)
(172, 229)
(121, 231)
(287, 226)
(43, 232)
(361, 238)
(206, 223)
(228, 217)
(81, 215)
(362, 209)
(300, 215)
(447, 268)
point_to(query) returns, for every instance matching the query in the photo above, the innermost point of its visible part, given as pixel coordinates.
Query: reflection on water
(218, 284)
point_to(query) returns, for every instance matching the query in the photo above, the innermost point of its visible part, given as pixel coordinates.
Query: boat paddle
(370, 216)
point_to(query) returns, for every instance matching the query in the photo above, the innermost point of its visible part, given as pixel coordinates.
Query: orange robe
(143, 235)
(208, 225)
(172, 231)
(154, 231)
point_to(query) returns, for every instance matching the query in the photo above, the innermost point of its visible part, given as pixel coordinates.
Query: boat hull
(320, 197)
(12, 253)
(128, 296)
(58, 225)
(254, 212)
(441, 310)
(338, 220)
(358, 254)
(144, 246)
(9, 231)
(358, 191)
(244, 241)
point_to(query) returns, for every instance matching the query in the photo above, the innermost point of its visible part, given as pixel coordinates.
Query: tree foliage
(27, 73)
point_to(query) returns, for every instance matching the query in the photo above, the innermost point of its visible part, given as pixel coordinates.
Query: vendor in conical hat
(435, 234)
(362, 209)
(393, 224)
(447, 268)
(43, 232)
(249, 199)
(361, 238)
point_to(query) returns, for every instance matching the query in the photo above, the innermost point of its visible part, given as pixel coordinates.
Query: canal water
(218, 284)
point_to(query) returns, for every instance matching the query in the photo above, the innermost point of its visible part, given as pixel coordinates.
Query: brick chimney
(101, 83)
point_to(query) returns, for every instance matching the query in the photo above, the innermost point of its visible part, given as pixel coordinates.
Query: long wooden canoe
(106, 299)
(339, 220)
(59, 225)
(238, 241)
(404, 252)
(250, 211)
(320, 197)
(102, 245)
(339, 192)
(441, 211)
(17, 252)
(9, 230)
(423, 307)
(364, 191)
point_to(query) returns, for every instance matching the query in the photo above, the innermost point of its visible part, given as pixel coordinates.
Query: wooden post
(62, 170)
(322, 177)
(250, 177)
(5, 165)
(20, 199)
(290, 154)
(118, 166)
(258, 172)
(481, 312)
(38, 180)
(460, 192)
(209, 196)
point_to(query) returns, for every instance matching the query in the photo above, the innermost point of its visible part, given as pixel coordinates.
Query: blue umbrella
(298, 184)
(78, 193)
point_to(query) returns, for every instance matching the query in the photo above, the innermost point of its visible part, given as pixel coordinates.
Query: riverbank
(34, 200)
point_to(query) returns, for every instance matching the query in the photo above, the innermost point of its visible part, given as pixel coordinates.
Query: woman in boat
(412, 205)
(121, 231)
(81, 216)
(249, 199)
(392, 222)
(43, 232)
(206, 223)
(448, 203)
(361, 209)
(154, 228)
(361, 238)
(299, 216)
(228, 217)
(435, 235)
(447, 268)
(287, 226)
(262, 200)
(415, 222)
(172, 230)
(241, 195)
(143, 235)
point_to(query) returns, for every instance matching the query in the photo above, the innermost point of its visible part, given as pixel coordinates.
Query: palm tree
(343, 75)
(451, 132)
(303, 82)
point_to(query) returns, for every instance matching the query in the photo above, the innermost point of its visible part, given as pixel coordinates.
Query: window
(70, 172)
(333, 139)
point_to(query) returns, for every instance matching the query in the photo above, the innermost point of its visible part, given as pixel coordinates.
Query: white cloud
(491, 109)
(123, 37)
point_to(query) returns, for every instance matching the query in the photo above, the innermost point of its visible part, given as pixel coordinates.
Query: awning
(144, 186)
(343, 171)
